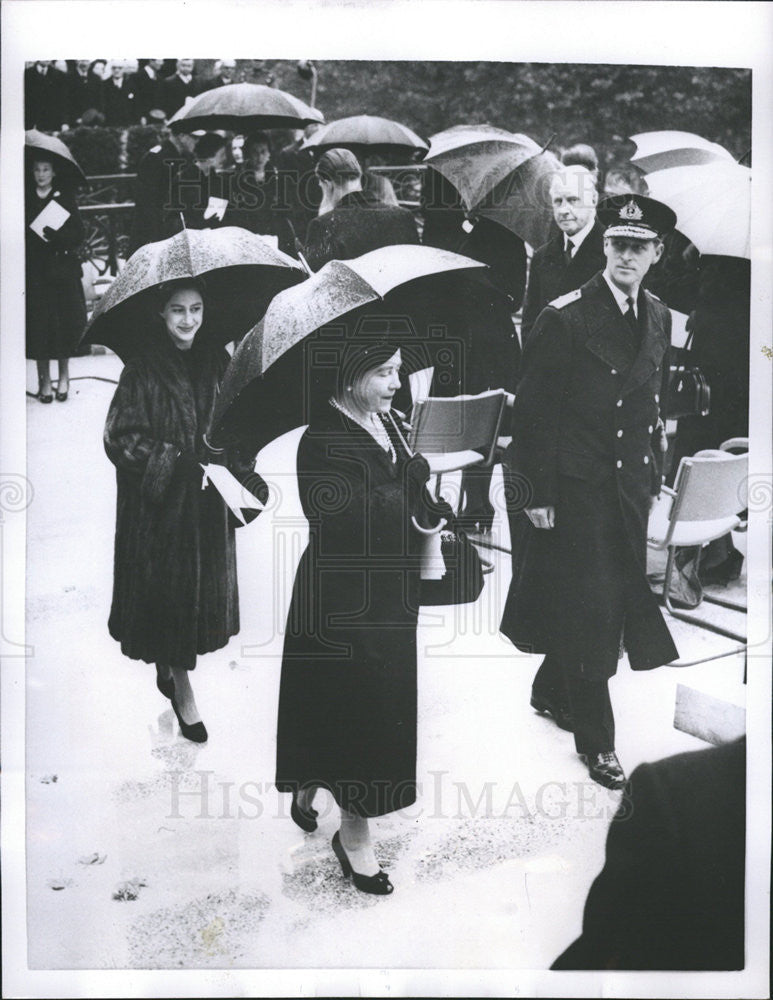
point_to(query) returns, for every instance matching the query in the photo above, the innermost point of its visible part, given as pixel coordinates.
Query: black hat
(635, 216)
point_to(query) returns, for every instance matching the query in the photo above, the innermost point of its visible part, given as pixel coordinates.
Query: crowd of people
(63, 95)
(587, 366)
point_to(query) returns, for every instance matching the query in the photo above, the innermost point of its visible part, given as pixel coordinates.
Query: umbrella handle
(211, 447)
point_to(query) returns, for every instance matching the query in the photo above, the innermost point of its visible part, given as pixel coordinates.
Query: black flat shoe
(605, 769)
(61, 397)
(306, 819)
(196, 732)
(46, 397)
(376, 885)
(561, 715)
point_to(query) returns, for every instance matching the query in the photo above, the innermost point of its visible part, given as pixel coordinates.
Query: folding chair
(457, 432)
(709, 493)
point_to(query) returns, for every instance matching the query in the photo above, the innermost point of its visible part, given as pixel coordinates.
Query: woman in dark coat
(347, 704)
(255, 193)
(175, 591)
(55, 304)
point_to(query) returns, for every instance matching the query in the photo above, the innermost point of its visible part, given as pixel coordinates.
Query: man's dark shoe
(605, 769)
(561, 715)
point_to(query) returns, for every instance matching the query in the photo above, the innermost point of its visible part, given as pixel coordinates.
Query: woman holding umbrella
(55, 304)
(175, 593)
(347, 704)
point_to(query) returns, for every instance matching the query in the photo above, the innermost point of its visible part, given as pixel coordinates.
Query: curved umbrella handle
(428, 531)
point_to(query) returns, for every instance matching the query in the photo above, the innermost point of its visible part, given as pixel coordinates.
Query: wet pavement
(491, 865)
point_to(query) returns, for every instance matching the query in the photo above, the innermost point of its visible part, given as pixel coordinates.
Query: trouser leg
(549, 681)
(591, 708)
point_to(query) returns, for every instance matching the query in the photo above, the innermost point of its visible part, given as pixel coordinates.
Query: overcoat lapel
(652, 349)
(608, 335)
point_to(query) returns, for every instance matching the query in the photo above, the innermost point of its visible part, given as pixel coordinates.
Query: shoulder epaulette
(564, 300)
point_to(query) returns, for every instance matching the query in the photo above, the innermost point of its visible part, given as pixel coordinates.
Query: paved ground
(491, 866)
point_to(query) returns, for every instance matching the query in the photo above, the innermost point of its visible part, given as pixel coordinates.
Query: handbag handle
(428, 531)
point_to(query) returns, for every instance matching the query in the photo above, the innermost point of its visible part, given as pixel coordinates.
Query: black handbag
(689, 393)
(462, 582)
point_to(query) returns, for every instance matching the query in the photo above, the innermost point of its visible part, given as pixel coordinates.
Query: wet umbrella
(661, 150)
(244, 107)
(366, 130)
(502, 176)
(65, 164)
(241, 271)
(262, 394)
(712, 204)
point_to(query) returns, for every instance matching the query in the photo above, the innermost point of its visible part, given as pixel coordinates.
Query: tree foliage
(599, 104)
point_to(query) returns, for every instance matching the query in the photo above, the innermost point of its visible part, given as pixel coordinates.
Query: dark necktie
(568, 252)
(631, 320)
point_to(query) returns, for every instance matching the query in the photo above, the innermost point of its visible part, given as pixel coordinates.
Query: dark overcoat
(551, 275)
(175, 590)
(55, 306)
(118, 103)
(175, 91)
(83, 93)
(45, 99)
(347, 703)
(585, 430)
(359, 223)
(671, 893)
(147, 93)
(156, 184)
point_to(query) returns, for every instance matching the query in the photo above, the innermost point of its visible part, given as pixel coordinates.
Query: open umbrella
(242, 273)
(365, 130)
(661, 150)
(336, 293)
(244, 107)
(64, 162)
(712, 204)
(503, 176)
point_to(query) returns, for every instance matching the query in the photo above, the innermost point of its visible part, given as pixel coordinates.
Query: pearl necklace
(374, 427)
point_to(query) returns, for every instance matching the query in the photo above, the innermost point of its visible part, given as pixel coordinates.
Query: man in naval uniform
(588, 446)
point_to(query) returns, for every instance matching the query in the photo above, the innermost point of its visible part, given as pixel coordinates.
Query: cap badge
(631, 211)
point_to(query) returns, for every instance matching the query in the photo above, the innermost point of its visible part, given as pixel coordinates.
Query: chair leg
(683, 616)
(733, 605)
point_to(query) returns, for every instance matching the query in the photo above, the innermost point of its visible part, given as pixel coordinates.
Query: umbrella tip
(544, 148)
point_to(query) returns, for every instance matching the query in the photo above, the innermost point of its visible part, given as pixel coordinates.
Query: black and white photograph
(386, 498)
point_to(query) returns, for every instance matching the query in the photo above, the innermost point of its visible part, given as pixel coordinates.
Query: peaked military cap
(635, 216)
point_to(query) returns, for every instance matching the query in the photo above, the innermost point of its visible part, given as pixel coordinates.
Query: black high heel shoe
(376, 885)
(196, 732)
(306, 819)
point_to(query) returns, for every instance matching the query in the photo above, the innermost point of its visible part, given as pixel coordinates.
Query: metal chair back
(459, 423)
(710, 487)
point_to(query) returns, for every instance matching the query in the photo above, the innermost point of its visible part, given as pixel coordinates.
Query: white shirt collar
(621, 297)
(578, 237)
(185, 77)
(150, 71)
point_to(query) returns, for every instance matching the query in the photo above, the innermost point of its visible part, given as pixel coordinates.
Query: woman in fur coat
(175, 590)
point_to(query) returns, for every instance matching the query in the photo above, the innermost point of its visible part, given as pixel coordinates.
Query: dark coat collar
(608, 336)
(593, 241)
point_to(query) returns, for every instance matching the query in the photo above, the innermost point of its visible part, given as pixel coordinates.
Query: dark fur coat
(175, 589)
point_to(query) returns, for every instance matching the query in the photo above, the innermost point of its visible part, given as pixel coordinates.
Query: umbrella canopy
(242, 273)
(661, 150)
(503, 176)
(336, 291)
(365, 130)
(64, 162)
(244, 107)
(712, 204)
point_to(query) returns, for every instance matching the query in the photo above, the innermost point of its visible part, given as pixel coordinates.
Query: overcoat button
(649, 429)
(657, 398)
(619, 402)
(620, 434)
(614, 371)
(646, 460)
(619, 464)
